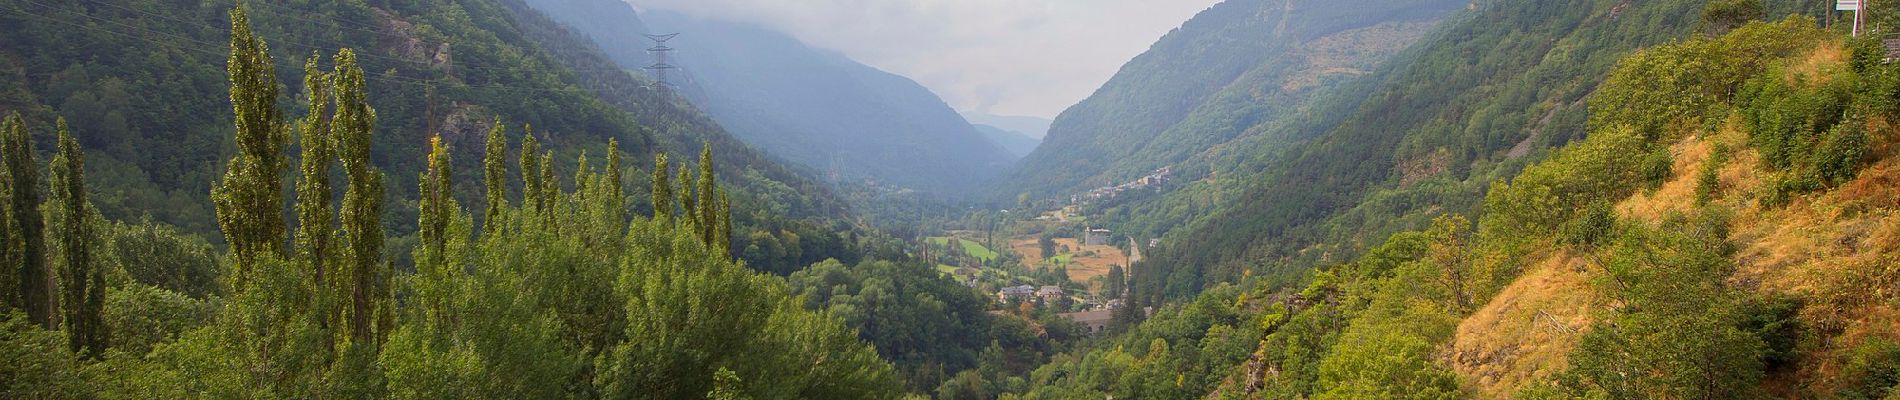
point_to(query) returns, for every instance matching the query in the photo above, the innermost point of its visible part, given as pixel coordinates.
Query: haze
(1001, 57)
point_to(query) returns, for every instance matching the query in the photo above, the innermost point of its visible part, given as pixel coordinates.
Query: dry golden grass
(1816, 65)
(1676, 194)
(1526, 332)
(1081, 268)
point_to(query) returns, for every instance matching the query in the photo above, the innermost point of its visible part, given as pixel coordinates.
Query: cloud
(1007, 57)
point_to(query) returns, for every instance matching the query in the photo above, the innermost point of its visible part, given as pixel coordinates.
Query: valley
(1270, 199)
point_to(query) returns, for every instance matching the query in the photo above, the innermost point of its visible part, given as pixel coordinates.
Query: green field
(970, 247)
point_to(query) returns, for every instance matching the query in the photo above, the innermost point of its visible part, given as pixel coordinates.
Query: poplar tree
(35, 285)
(495, 177)
(249, 200)
(616, 196)
(550, 189)
(315, 215)
(530, 170)
(708, 222)
(689, 210)
(362, 210)
(662, 190)
(10, 296)
(433, 218)
(82, 282)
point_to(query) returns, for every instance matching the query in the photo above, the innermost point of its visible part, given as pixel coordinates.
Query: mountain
(1691, 241)
(1234, 66)
(146, 87)
(810, 106)
(1034, 127)
(1017, 142)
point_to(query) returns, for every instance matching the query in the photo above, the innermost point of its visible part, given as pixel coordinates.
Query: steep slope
(1230, 68)
(145, 89)
(810, 106)
(1726, 230)
(1017, 142)
(1421, 137)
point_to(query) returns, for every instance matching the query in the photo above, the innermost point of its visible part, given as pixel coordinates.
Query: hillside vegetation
(1237, 65)
(1725, 230)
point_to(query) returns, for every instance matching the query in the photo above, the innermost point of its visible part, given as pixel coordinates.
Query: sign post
(1856, 6)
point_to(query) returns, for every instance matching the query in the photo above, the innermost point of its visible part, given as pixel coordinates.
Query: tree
(82, 281)
(369, 312)
(708, 221)
(249, 200)
(662, 190)
(316, 217)
(495, 177)
(530, 171)
(35, 286)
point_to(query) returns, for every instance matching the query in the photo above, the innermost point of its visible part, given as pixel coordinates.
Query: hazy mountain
(807, 105)
(1034, 127)
(1017, 142)
(1231, 67)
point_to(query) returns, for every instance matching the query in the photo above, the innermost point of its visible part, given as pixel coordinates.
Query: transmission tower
(659, 51)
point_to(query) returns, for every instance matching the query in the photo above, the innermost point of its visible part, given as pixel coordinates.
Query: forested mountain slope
(146, 77)
(1231, 68)
(1018, 143)
(1726, 229)
(813, 107)
(1424, 136)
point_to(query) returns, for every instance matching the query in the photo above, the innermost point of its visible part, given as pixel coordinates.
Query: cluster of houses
(1027, 293)
(1155, 178)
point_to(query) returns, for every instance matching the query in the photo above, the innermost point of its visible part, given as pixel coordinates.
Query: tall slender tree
(249, 200)
(550, 189)
(10, 297)
(708, 222)
(617, 196)
(530, 170)
(82, 282)
(495, 177)
(316, 217)
(35, 279)
(368, 314)
(689, 209)
(662, 190)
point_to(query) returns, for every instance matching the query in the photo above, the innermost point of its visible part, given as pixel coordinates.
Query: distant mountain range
(1034, 127)
(1017, 142)
(806, 105)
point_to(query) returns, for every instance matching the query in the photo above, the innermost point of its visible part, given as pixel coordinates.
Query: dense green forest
(143, 80)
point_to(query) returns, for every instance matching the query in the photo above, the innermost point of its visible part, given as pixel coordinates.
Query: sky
(1002, 57)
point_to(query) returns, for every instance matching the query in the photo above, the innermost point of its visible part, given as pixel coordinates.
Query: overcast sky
(1003, 57)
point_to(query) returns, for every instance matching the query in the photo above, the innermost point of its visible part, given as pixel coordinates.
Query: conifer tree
(495, 177)
(81, 281)
(35, 284)
(315, 215)
(249, 200)
(530, 170)
(662, 190)
(362, 206)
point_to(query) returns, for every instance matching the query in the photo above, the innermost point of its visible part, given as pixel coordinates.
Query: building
(1016, 293)
(1094, 321)
(1050, 293)
(1096, 237)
